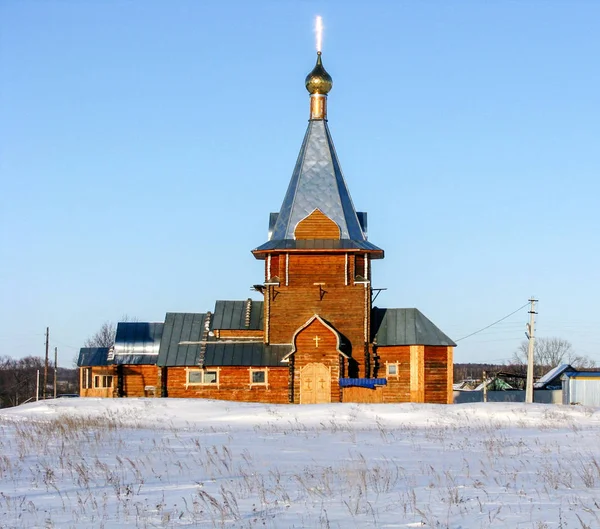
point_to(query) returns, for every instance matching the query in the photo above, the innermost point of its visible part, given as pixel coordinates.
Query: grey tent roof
(245, 354)
(231, 315)
(317, 183)
(92, 356)
(405, 327)
(181, 327)
(137, 342)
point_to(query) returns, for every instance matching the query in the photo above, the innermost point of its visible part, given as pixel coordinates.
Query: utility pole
(530, 336)
(46, 364)
(37, 386)
(55, 368)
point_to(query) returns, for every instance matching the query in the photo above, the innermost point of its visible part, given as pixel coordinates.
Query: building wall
(97, 371)
(139, 379)
(439, 375)
(398, 386)
(234, 384)
(316, 284)
(310, 351)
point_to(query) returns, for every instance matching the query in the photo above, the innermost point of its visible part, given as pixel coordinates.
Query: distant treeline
(18, 380)
(475, 371)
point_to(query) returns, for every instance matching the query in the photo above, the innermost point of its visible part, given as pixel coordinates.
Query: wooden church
(314, 337)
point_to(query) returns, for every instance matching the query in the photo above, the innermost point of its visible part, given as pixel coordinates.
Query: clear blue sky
(143, 145)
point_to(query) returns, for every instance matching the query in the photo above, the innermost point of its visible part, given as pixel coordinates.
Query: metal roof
(318, 244)
(92, 356)
(245, 354)
(554, 373)
(405, 327)
(317, 183)
(582, 374)
(233, 315)
(137, 342)
(180, 328)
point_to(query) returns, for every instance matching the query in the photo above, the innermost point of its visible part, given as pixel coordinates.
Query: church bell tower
(317, 289)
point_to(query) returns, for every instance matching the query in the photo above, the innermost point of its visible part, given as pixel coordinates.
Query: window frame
(102, 381)
(203, 372)
(264, 370)
(396, 366)
(86, 378)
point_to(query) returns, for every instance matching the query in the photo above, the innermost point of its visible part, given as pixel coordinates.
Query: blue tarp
(362, 382)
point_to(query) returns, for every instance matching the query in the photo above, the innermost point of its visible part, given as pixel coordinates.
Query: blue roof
(552, 375)
(362, 382)
(582, 374)
(92, 356)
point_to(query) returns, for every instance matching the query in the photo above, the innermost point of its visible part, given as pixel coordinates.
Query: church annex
(315, 336)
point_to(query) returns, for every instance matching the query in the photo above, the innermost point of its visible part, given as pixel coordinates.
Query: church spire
(317, 183)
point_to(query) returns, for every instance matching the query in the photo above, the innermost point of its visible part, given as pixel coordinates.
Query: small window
(103, 381)
(258, 377)
(202, 377)
(194, 377)
(86, 379)
(392, 370)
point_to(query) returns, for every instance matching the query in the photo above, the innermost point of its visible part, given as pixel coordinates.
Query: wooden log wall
(226, 334)
(234, 384)
(316, 284)
(98, 392)
(323, 350)
(438, 375)
(137, 378)
(398, 387)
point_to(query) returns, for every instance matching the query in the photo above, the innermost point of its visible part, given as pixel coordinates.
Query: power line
(492, 324)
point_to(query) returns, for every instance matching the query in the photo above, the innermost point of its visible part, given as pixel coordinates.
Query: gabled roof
(317, 183)
(92, 356)
(405, 327)
(553, 376)
(180, 344)
(137, 342)
(233, 315)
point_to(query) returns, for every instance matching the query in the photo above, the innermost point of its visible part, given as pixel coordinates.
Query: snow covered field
(200, 463)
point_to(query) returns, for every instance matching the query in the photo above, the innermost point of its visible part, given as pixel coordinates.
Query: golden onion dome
(319, 81)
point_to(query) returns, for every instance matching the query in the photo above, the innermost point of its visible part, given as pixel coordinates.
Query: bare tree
(103, 337)
(551, 352)
(18, 379)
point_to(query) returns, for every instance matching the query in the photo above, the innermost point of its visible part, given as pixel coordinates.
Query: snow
(202, 463)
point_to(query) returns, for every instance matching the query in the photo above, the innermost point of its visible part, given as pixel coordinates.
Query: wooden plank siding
(367, 395)
(234, 384)
(317, 225)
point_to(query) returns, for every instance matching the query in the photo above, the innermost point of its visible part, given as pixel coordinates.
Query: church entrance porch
(315, 384)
